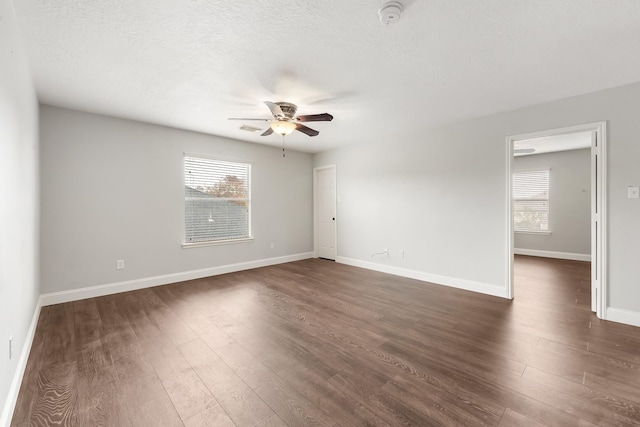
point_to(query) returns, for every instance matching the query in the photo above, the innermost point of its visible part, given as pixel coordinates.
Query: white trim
(599, 252)
(599, 279)
(132, 285)
(454, 282)
(587, 127)
(620, 315)
(14, 388)
(215, 157)
(539, 233)
(216, 243)
(510, 226)
(553, 254)
(316, 204)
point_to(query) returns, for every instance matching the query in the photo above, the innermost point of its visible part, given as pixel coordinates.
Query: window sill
(544, 233)
(215, 243)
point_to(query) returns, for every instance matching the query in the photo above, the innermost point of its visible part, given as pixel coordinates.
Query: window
(217, 200)
(531, 201)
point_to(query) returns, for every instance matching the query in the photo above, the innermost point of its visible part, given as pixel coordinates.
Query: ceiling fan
(285, 120)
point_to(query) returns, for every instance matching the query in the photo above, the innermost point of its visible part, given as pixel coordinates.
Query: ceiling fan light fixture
(283, 127)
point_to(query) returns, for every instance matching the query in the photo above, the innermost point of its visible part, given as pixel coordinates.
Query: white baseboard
(552, 254)
(469, 285)
(147, 282)
(620, 315)
(14, 388)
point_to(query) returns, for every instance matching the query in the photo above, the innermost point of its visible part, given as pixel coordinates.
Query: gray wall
(19, 288)
(441, 194)
(114, 189)
(569, 202)
(437, 197)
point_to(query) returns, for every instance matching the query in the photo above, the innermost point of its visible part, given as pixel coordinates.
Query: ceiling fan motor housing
(288, 109)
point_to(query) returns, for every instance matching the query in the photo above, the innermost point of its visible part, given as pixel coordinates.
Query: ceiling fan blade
(307, 130)
(267, 132)
(275, 109)
(244, 118)
(324, 117)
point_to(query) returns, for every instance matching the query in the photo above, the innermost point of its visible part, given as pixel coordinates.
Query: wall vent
(250, 128)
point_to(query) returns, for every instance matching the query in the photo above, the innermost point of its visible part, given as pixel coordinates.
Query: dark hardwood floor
(318, 343)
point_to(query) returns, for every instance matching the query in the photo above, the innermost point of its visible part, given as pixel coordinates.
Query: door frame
(599, 197)
(316, 207)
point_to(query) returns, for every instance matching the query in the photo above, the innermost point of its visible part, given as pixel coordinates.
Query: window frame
(548, 200)
(249, 237)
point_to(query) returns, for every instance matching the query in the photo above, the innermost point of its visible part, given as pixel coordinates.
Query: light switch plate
(633, 192)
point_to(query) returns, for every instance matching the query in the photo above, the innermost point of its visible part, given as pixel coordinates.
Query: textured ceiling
(193, 63)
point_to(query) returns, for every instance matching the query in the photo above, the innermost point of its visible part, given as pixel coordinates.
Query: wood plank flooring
(319, 343)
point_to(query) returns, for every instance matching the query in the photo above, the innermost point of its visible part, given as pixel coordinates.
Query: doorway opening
(523, 144)
(324, 213)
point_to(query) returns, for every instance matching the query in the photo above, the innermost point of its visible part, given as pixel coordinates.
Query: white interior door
(326, 212)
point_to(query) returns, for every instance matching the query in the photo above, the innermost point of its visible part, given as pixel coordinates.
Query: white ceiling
(550, 144)
(193, 63)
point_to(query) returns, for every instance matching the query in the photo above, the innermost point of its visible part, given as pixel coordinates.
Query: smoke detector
(390, 12)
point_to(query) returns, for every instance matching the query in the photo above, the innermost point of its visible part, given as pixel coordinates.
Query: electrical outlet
(272, 245)
(10, 347)
(401, 253)
(120, 264)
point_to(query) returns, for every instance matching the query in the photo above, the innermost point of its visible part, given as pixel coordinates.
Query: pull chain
(283, 145)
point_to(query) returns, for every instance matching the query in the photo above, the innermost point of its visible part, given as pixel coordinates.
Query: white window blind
(531, 201)
(217, 200)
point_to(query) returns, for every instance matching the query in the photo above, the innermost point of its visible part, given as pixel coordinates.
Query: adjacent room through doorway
(556, 202)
